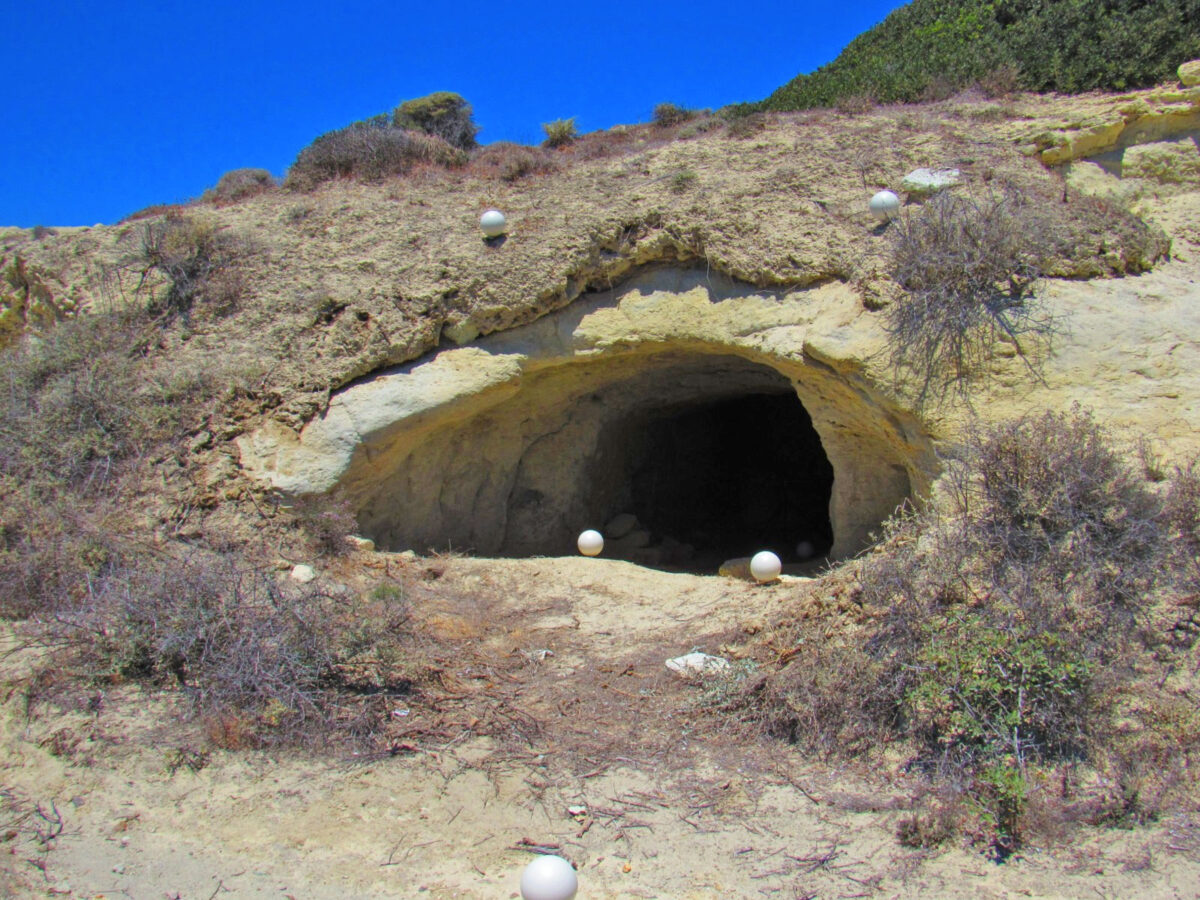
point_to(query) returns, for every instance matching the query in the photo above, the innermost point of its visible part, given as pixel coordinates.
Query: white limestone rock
(922, 182)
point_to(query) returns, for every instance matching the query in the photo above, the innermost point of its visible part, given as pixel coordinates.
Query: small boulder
(303, 574)
(697, 663)
(361, 543)
(620, 525)
(1167, 162)
(929, 181)
(736, 568)
(634, 540)
(1189, 73)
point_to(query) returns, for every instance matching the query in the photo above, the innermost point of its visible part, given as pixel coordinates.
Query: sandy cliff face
(458, 391)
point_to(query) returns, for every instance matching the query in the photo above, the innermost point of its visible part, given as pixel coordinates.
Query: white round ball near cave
(765, 566)
(549, 878)
(885, 206)
(590, 542)
(493, 223)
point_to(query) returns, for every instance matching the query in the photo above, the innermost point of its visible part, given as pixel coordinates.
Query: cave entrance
(710, 480)
(682, 459)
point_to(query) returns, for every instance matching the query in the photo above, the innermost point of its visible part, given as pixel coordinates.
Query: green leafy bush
(1064, 45)
(443, 114)
(1004, 627)
(560, 132)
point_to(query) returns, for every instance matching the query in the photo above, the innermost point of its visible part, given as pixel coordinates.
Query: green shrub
(667, 115)
(239, 184)
(560, 132)
(443, 114)
(1003, 625)
(27, 300)
(933, 48)
(683, 181)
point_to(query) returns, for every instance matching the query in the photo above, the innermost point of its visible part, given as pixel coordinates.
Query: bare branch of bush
(967, 269)
(199, 260)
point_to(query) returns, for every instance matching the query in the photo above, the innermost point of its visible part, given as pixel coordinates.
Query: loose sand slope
(673, 805)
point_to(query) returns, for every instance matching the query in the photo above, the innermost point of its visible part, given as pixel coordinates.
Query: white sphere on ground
(590, 542)
(765, 566)
(549, 878)
(493, 223)
(885, 206)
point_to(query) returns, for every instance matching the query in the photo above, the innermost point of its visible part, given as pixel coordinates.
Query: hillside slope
(1069, 46)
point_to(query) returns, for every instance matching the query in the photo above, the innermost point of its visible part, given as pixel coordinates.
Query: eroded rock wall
(500, 447)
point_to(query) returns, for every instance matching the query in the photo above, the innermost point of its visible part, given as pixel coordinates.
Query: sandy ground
(610, 762)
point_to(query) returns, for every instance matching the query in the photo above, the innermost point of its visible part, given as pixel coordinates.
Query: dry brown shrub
(747, 126)
(326, 520)
(855, 104)
(154, 211)
(199, 260)
(668, 115)
(511, 162)
(1001, 83)
(369, 152)
(239, 184)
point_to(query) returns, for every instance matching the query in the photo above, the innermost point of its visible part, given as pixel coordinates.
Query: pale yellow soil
(676, 805)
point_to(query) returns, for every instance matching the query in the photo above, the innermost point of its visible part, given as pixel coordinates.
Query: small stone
(361, 543)
(200, 442)
(303, 574)
(697, 663)
(620, 525)
(1189, 73)
(929, 181)
(736, 568)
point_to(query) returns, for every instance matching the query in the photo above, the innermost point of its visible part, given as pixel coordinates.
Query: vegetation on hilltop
(930, 48)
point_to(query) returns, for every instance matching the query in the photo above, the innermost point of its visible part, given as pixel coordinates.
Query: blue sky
(113, 106)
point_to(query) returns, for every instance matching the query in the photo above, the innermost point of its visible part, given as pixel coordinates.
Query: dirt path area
(565, 732)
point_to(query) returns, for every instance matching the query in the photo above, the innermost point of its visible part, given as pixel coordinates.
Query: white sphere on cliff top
(493, 223)
(590, 542)
(549, 878)
(885, 206)
(765, 566)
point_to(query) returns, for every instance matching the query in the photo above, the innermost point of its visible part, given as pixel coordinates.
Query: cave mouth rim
(716, 373)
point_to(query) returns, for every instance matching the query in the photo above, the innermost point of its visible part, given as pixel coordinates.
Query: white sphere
(885, 206)
(549, 878)
(493, 223)
(590, 542)
(765, 566)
